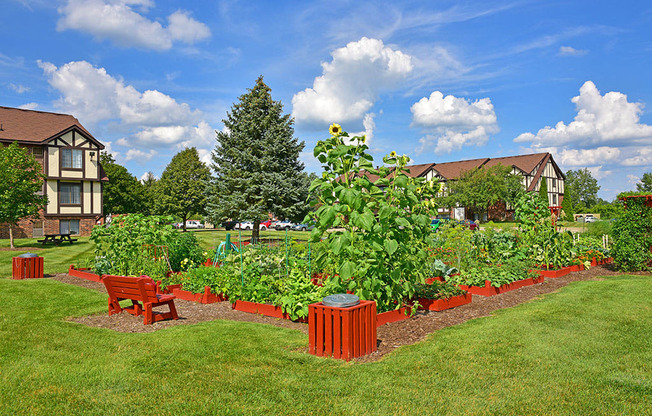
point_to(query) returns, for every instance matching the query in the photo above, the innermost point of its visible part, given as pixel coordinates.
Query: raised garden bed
(392, 316)
(206, 297)
(443, 304)
(489, 290)
(84, 273)
(555, 273)
(264, 309)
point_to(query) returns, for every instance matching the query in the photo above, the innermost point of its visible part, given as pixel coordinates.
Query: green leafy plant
(632, 234)
(383, 217)
(437, 290)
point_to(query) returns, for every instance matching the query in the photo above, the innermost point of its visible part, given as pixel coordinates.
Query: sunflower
(335, 129)
(392, 154)
(418, 190)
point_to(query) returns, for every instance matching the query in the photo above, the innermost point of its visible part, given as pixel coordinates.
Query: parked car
(267, 223)
(229, 225)
(190, 224)
(303, 227)
(284, 225)
(590, 218)
(248, 225)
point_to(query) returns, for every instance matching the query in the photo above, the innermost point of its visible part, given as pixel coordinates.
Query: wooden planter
(555, 273)
(26, 268)
(443, 304)
(264, 309)
(489, 290)
(206, 297)
(84, 273)
(343, 333)
(392, 316)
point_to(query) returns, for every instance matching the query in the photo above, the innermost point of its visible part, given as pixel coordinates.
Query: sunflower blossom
(335, 129)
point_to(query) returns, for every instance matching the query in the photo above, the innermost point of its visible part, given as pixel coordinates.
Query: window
(554, 183)
(554, 200)
(71, 158)
(37, 151)
(69, 227)
(70, 193)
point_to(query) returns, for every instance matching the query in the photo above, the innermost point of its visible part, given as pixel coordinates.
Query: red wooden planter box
(430, 280)
(443, 304)
(83, 273)
(342, 333)
(488, 290)
(264, 309)
(392, 316)
(555, 273)
(26, 268)
(206, 297)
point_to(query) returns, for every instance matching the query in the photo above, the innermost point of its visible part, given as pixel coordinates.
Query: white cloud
(643, 157)
(117, 21)
(29, 106)
(454, 122)
(350, 84)
(20, 89)
(598, 173)
(633, 179)
(369, 127)
(587, 157)
(570, 51)
(139, 155)
(600, 120)
(151, 118)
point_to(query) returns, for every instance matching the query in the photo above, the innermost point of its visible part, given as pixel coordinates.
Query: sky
(439, 81)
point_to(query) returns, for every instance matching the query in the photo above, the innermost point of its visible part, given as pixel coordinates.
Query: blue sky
(439, 81)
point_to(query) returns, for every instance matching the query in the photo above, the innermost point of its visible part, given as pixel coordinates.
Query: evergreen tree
(567, 205)
(149, 194)
(182, 187)
(123, 193)
(22, 178)
(256, 162)
(543, 192)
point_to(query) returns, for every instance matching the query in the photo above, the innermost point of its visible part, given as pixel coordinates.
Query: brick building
(69, 155)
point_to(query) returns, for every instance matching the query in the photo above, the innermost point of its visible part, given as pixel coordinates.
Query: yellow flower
(335, 129)
(392, 154)
(363, 139)
(418, 190)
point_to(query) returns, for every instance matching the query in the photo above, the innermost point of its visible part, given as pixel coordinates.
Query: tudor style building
(69, 155)
(533, 169)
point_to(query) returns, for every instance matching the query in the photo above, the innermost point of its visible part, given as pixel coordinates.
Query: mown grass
(584, 350)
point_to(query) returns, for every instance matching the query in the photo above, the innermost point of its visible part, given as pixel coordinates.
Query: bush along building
(69, 156)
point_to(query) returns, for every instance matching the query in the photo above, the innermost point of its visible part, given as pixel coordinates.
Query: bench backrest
(136, 288)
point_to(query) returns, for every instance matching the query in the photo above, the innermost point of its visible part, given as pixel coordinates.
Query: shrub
(632, 234)
(185, 252)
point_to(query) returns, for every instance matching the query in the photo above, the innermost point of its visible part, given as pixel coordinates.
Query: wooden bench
(138, 289)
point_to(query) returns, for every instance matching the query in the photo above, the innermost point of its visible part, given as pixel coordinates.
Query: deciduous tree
(182, 187)
(256, 163)
(646, 183)
(583, 188)
(22, 179)
(123, 191)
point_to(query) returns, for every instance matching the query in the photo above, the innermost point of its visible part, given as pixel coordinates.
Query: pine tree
(182, 187)
(567, 205)
(256, 162)
(543, 192)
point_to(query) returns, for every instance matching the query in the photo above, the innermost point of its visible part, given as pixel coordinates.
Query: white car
(194, 224)
(248, 225)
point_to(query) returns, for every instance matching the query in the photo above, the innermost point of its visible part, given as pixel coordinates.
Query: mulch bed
(390, 336)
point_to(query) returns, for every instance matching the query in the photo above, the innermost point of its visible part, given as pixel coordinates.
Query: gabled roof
(526, 163)
(453, 170)
(29, 126)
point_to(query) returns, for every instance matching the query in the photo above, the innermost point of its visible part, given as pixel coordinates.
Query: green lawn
(584, 350)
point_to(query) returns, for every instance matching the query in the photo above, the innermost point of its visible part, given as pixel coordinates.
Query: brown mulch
(390, 336)
(189, 313)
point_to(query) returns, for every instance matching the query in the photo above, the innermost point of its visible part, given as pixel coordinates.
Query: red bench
(138, 289)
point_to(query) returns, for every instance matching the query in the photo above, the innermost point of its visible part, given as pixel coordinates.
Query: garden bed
(83, 273)
(443, 304)
(206, 297)
(264, 309)
(489, 290)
